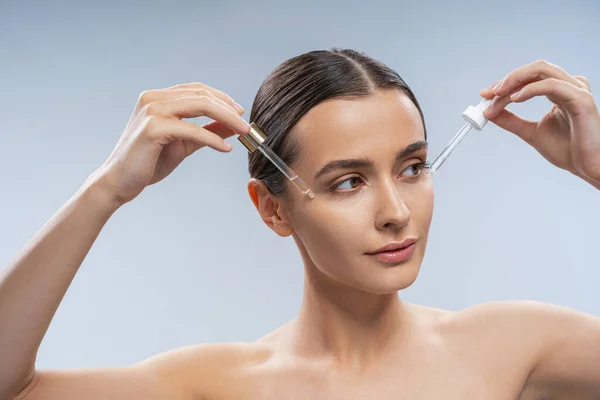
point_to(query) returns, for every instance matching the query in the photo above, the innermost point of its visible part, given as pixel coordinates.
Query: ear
(269, 207)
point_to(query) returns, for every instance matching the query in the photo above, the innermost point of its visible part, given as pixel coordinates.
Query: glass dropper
(254, 140)
(291, 175)
(474, 118)
(466, 128)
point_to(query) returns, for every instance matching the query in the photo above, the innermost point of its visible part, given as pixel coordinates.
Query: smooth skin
(354, 338)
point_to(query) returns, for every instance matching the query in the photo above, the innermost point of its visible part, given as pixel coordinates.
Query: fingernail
(515, 95)
(238, 107)
(248, 127)
(228, 146)
(498, 85)
(486, 113)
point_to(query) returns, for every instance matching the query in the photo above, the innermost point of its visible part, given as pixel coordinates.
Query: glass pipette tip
(466, 128)
(291, 175)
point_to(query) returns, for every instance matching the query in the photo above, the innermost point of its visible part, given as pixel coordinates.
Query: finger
(165, 130)
(159, 95)
(488, 92)
(538, 70)
(521, 127)
(572, 98)
(172, 94)
(219, 128)
(585, 81)
(198, 106)
(198, 85)
(497, 105)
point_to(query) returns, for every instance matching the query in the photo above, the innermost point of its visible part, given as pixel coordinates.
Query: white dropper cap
(474, 114)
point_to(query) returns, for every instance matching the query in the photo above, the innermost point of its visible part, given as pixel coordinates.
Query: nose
(392, 211)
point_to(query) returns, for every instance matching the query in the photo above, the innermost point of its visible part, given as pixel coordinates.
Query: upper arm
(558, 347)
(187, 372)
(570, 349)
(154, 378)
(96, 383)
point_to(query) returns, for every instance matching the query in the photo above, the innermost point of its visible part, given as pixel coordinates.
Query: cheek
(331, 230)
(337, 224)
(421, 205)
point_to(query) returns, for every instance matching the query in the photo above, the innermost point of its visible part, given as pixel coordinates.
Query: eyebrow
(368, 162)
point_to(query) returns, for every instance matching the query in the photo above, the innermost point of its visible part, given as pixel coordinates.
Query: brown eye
(353, 181)
(416, 169)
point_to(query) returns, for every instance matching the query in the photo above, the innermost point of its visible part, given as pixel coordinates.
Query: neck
(348, 327)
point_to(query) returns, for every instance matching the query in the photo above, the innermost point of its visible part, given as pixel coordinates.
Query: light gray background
(189, 261)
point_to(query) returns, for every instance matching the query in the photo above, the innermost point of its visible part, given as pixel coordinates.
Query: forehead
(385, 121)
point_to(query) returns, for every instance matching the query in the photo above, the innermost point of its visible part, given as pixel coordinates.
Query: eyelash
(420, 165)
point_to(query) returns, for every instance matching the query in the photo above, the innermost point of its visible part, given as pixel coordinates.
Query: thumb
(511, 122)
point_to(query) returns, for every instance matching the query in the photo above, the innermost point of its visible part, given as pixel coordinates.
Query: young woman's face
(380, 194)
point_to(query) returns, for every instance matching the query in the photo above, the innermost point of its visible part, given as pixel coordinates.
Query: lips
(398, 252)
(390, 247)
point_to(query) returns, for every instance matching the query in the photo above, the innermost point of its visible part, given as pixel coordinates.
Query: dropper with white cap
(474, 118)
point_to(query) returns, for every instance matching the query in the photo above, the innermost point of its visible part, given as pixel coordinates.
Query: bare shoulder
(530, 330)
(497, 342)
(521, 324)
(209, 368)
(526, 317)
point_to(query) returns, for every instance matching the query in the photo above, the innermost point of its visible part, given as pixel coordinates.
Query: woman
(352, 129)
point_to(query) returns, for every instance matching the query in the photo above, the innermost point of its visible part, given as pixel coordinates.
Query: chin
(391, 279)
(401, 282)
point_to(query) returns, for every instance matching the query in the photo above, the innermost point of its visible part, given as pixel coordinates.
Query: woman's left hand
(569, 134)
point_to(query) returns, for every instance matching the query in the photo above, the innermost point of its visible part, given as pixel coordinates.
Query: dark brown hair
(300, 83)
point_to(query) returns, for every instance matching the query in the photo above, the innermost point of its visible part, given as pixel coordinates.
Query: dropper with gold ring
(254, 140)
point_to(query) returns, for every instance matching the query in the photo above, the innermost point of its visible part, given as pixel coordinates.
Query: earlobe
(280, 224)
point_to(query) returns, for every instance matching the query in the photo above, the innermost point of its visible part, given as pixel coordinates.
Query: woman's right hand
(156, 140)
